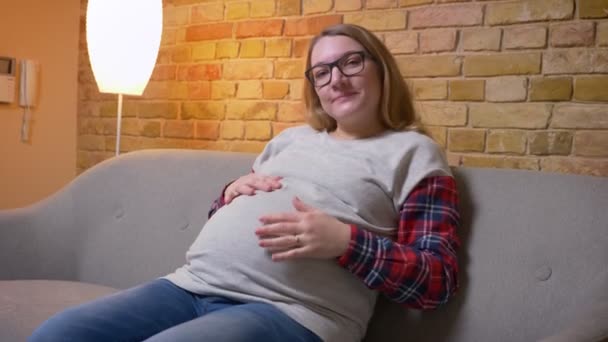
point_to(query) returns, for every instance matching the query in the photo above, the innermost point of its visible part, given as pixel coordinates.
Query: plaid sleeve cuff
(355, 256)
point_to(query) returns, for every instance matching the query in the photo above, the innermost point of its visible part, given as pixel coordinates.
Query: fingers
(301, 206)
(280, 243)
(280, 217)
(278, 229)
(248, 184)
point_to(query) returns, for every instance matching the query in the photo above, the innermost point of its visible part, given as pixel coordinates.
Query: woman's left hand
(307, 232)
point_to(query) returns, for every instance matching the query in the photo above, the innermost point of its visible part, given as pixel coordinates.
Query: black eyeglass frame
(336, 63)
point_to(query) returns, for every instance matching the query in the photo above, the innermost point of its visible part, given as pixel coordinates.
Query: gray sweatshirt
(362, 182)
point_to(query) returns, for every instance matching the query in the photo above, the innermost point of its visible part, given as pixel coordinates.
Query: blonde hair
(396, 107)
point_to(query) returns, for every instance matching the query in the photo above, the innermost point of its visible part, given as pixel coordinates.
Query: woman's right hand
(248, 184)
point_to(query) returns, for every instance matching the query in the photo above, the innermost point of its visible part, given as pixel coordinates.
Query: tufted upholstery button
(119, 213)
(543, 273)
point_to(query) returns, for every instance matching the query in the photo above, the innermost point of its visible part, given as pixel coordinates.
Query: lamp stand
(118, 121)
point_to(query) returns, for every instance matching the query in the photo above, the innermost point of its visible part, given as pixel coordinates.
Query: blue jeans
(161, 311)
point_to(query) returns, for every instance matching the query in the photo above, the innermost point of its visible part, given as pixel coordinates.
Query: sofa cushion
(25, 304)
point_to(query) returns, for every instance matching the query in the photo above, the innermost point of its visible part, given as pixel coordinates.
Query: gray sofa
(534, 256)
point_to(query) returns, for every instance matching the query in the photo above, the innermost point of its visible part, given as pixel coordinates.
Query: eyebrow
(337, 59)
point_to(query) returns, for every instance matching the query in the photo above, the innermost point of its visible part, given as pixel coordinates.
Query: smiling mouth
(343, 97)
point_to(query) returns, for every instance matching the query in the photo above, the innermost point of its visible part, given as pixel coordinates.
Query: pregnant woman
(357, 203)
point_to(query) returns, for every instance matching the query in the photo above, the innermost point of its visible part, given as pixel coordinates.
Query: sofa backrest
(534, 252)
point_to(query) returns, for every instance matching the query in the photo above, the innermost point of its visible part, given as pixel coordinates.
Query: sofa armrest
(591, 327)
(35, 241)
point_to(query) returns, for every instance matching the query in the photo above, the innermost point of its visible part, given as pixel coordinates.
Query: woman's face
(351, 100)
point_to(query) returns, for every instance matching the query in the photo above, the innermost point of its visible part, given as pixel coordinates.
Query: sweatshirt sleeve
(418, 269)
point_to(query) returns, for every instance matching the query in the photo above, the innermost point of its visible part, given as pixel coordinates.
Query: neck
(357, 132)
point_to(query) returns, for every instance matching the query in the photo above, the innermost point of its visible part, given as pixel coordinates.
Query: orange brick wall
(509, 84)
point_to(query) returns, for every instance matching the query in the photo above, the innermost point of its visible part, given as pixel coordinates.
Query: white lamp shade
(123, 38)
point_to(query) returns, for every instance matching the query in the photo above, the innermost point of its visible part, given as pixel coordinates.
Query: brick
(347, 5)
(454, 159)
(247, 70)
(232, 130)
(164, 73)
(502, 64)
(252, 48)
(575, 61)
(582, 166)
(501, 162)
(506, 141)
(199, 90)
(509, 115)
(408, 3)
(202, 110)
(300, 47)
(259, 28)
(437, 40)
(289, 69)
(91, 142)
(181, 54)
(528, 10)
(442, 113)
(550, 88)
(481, 39)
(310, 25)
(316, 6)
(200, 72)
(275, 89)
(164, 56)
(291, 112)
(378, 20)
(593, 8)
(550, 143)
(288, 7)
(525, 37)
(149, 129)
(439, 134)
(178, 129)
(466, 90)
(175, 16)
(579, 116)
(573, 34)
(251, 110)
(506, 89)
(227, 49)
(179, 91)
(237, 10)
(296, 89)
(169, 37)
(207, 12)
(262, 8)
(130, 127)
(591, 88)
(445, 16)
(430, 89)
(380, 4)
(591, 143)
(258, 130)
(209, 32)
(602, 33)
(278, 127)
(223, 90)
(207, 130)
(249, 89)
(164, 110)
(466, 140)
(401, 41)
(278, 48)
(203, 51)
(429, 66)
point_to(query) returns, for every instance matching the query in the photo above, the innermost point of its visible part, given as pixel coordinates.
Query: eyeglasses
(349, 65)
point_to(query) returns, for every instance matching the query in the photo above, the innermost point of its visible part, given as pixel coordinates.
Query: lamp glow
(123, 38)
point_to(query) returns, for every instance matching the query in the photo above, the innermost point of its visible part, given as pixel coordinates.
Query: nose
(337, 77)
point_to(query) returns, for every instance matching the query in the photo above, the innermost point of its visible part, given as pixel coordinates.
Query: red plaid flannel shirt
(419, 268)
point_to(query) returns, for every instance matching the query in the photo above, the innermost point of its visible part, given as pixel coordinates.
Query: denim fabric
(161, 311)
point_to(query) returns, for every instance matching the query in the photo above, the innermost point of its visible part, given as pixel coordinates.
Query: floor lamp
(123, 38)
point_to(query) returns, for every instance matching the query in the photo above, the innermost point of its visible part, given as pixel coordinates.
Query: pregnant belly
(226, 255)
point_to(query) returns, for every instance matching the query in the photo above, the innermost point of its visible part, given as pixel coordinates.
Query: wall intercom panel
(8, 67)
